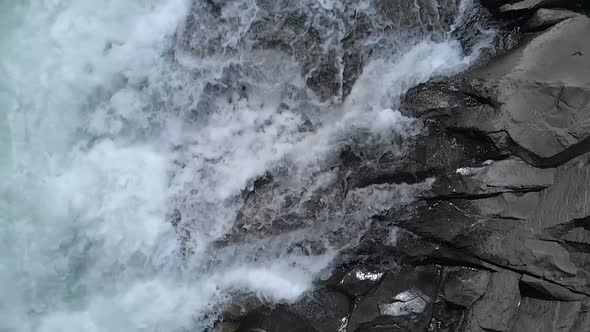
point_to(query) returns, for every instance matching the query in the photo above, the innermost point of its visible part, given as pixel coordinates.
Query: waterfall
(135, 135)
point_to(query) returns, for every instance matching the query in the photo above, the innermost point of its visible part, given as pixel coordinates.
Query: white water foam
(96, 151)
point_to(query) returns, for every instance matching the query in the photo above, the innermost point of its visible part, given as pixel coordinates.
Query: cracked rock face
(543, 111)
(500, 238)
(463, 286)
(541, 114)
(545, 18)
(526, 6)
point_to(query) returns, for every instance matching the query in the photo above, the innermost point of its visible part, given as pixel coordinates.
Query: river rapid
(123, 164)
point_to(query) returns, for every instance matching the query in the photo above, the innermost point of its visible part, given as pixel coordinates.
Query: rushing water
(109, 130)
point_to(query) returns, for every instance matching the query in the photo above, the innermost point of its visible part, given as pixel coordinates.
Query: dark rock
(445, 316)
(240, 306)
(448, 100)
(526, 5)
(497, 309)
(510, 175)
(526, 214)
(520, 5)
(494, 3)
(228, 326)
(517, 205)
(325, 309)
(578, 235)
(410, 249)
(459, 223)
(359, 280)
(568, 199)
(279, 319)
(548, 290)
(504, 242)
(464, 286)
(545, 18)
(402, 300)
(543, 111)
(582, 322)
(536, 114)
(551, 258)
(535, 224)
(540, 315)
(324, 79)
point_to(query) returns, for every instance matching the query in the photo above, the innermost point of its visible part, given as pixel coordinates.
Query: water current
(130, 131)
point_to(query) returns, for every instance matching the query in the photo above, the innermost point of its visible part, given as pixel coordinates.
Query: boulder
(534, 221)
(546, 316)
(278, 319)
(551, 261)
(510, 175)
(516, 205)
(325, 309)
(463, 286)
(403, 300)
(540, 90)
(582, 322)
(494, 3)
(527, 5)
(225, 327)
(240, 306)
(359, 280)
(445, 316)
(548, 290)
(537, 114)
(512, 142)
(545, 18)
(578, 234)
(505, 242)
(567, 200)
(508, 6)
(497, 309)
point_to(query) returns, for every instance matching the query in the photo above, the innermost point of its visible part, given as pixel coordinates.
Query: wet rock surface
(330, 41)
(545, 18)
(499, 239)
(462, 286)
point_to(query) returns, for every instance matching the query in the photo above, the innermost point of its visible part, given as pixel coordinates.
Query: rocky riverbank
(501, 239)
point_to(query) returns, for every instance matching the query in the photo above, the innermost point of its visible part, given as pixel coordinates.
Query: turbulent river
(132, 133)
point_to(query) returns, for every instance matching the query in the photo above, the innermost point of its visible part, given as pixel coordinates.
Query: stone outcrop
(545, 18)
(500, 240)
(531, 5)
